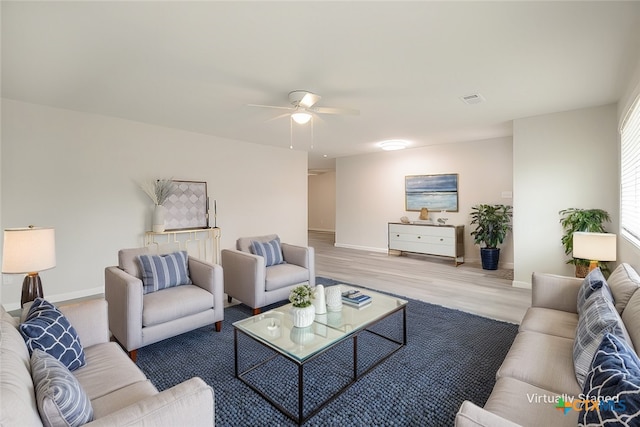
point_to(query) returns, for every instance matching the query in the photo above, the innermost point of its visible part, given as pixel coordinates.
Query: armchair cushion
(164, 271)
(174, 303)
(47, 329)
(61, 399)
(282, 275)
(271, 251)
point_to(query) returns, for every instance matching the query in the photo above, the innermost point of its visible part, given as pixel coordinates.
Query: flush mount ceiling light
(393, 144)
(301, 117)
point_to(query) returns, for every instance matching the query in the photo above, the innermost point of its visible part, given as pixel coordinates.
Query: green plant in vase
(303, 312)
(576, 219)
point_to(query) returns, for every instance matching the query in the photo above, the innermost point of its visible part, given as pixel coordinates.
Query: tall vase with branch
(158, 191)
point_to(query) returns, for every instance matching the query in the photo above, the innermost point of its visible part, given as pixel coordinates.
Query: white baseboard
(361, 248)
(520, 284)
(57, 298)
(322, 230)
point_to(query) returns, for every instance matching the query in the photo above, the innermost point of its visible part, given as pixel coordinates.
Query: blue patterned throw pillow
(46, 328)
(594, 281)
(271, 251)
(61, 399)
(613, 381)
(164, 271)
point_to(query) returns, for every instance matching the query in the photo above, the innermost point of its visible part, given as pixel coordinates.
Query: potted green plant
(303, 312)
(576, 219)
(492, 222)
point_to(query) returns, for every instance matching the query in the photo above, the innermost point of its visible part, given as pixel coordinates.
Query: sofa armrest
(244, 276)
(303, 256)
(471, 415)
(89, 319)
(123, 292)
(555, 292)
(208, 277)
(190, 403)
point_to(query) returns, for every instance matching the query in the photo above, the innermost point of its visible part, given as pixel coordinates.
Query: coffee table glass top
(275, 327)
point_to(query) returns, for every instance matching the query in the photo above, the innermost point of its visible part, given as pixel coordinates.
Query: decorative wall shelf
(202, 243)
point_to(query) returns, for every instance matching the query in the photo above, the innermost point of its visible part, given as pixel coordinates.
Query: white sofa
(119, 392)
(539, 365)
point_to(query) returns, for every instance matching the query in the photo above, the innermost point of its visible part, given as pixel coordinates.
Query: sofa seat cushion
(527, 405)
(174, 303)
(282, 275)
(17, 394)
(108, 369)
(542, 360)
(121, 398)
(551, 322)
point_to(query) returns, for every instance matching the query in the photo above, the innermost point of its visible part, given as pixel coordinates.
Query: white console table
(441, 240)
(201, 243)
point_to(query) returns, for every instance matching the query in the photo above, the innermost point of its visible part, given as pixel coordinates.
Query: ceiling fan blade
(309, 100)
(271, 106)
(334, 110)
(278, 117)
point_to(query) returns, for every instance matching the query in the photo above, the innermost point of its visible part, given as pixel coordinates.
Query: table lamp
(29, 251)
(594, 247)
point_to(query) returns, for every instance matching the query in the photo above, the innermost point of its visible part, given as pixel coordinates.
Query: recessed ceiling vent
(472, 99)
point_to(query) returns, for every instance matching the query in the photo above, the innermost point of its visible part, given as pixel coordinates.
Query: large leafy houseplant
(576, 219)
(492, 222)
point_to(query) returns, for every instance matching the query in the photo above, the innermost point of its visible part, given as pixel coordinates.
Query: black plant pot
(490, 258)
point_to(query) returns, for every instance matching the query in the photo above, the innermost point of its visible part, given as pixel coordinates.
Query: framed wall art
(434, 192)
(187, 206)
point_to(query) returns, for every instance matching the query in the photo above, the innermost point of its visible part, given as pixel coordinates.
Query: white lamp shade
(594, 246)
(28, 250)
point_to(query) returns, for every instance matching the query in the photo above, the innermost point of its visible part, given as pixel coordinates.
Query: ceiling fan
(303, 107)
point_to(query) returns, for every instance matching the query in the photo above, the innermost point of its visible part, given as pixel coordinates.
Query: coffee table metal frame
(300, 418)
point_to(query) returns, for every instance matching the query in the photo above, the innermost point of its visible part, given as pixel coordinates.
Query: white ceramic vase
(333, 295)
(319, 301)
(159, 214)
(303, 316)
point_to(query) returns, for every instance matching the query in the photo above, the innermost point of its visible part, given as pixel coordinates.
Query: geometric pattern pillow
(271, 251)
(164, 271)
(60, 397)
(599, 317)
(592, 282)
(614, 378)
(46, 328)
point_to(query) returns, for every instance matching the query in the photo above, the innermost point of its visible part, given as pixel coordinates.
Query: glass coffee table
(274, 330)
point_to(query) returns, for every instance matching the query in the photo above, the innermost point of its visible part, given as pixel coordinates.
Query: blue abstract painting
(434, 192)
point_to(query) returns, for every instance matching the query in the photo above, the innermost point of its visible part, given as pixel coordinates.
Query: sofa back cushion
(244, 243)
(18, 402)
(624, 282)
(631, 319)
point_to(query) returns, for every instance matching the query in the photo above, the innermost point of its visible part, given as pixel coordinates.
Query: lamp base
(593, 265)
(31, 288)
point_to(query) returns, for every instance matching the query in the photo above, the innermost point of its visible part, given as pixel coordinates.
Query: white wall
(370, 189)
(322, 201)
(79, 173)
(562, 160)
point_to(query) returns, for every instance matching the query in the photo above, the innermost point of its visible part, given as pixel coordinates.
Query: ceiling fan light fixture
(301, 118)
(393, 144)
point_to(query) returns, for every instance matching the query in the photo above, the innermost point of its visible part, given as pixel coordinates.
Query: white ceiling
(404, 65)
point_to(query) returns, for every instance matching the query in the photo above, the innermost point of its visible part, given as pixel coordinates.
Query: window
(630, 174)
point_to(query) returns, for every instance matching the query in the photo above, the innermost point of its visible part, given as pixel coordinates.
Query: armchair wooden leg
(133, 354)
(229, 299)
(256, 311)
(218, 326)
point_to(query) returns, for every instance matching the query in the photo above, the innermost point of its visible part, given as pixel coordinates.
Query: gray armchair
(247, 279)
(137, 319)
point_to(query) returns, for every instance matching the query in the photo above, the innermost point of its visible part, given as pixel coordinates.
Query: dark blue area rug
(450, 356)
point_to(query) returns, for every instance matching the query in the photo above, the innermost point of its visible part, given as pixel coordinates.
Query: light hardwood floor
(436, 280)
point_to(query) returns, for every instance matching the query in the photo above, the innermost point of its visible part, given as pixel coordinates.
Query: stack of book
(355, 298)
